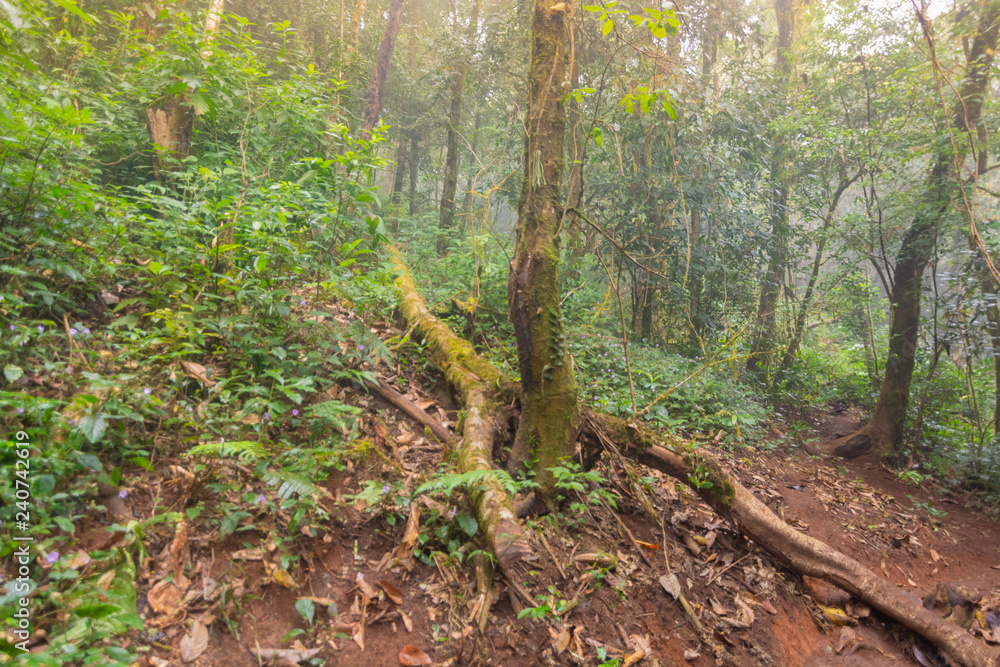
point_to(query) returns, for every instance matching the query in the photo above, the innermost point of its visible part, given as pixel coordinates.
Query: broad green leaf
(93, 427)
(608, 26)
(12, 372)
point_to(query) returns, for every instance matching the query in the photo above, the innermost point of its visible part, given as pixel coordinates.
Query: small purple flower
(20, 343)
(52, 557)
(302, 302)
(86, 331)
(122, 494)
(20, 411)
(260, 499)
(12, 327)
(295, 413)
(385, 489)
(451, 514)
(41, 329)
(222, 441)
(147, 391)
(267, 415)
(361, 347)
(69, 369)
(72, 421)
(72, 331)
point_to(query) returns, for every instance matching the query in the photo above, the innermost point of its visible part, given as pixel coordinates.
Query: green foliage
(467, 481)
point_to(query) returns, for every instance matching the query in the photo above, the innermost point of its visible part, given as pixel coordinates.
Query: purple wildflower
(69, 369)
(361, 347)
(12, 327)
(147, 391)
(295, 413)
(302, 302)
(72, 331)
(385, 489)
(86, 331)
(20, 411)
(41, 329)
(267, 415)
(122, 494)
(52, 557)
(260, 498)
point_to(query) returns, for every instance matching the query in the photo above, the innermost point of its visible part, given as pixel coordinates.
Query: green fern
(470, 480)
(244, 450)
(333, 413)
(289, 483)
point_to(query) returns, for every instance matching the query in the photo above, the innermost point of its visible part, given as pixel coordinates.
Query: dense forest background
(762, 208)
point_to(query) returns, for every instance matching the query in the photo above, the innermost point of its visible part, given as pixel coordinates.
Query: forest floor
(599, 570)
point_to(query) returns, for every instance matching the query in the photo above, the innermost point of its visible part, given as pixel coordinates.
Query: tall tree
(770, 288)
(549, 412)
(886, 429)
(450, 185)
(382, 61)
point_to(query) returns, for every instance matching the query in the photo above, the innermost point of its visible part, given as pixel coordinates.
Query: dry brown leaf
(247, 554)
(359, 636)
(671, 584)
(633, 658)
(280, 576)
(179, 547)
(368, 593)
(561, 638)
(394, 593)
(847, 637)
(197, 371)
(411, 655)
(164, 597)
(935, 556)
(194, 643)
(407, 622)
(412, 529)
(80, 560)
(600, 559)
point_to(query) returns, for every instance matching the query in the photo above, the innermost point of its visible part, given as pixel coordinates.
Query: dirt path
(915, 536)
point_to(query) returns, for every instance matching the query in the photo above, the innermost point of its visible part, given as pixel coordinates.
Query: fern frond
(289, 483)
(244, 450)
(469, 480)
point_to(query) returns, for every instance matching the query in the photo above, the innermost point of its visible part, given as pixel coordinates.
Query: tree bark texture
(474, 381)
(762, 346)
(170, 119)
(886, 428)
(549, 411)
(400, 174)
(446, 221)
(382, 61)
(804, 554)
(414, 160)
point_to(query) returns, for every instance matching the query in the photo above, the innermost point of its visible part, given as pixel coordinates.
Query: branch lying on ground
(473, 379)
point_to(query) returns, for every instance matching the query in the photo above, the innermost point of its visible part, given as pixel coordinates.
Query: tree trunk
(170, 119)
(447, 218)
(398, 177)
(770, 288)
(577, 157)
(469, 199)
(359, 13)
(804, 554)
(547, 429)
(382, 62)
(414, 164)
(885, 431)
(800, 321)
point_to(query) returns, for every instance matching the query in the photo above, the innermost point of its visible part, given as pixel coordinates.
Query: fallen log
(410, 410)
(472, 378)
(803, 554)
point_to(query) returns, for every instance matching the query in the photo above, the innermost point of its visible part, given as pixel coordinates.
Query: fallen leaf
(79, 560)
(601, 559)
(847, 637)
(935, 556)
(633, 658)
(411, 655)
(247, 554)
(412, 528)
(280, 576)
(194, 643)
(691, 654)
(671, 584)
(197, 371)
(367, 591)
(407, 622)
(394, 593)
(837, 616)
(561, 638)
(164, 597)
(647, 545)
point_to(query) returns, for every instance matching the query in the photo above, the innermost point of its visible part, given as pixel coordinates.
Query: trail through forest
(603, 574)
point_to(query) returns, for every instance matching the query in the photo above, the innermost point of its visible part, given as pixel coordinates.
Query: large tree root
(472, 379)
(804, 554)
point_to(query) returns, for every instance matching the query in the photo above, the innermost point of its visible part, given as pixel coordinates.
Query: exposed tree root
(804, 554)
(472, 378)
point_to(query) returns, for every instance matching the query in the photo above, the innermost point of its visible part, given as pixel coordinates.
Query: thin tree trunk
(359, 13)
(400, 175)
(800, 320)
(414, 164)
(382, 62)
(547, 429)
(467, 208)
(770, 288)
(885, 431)
(577, 157)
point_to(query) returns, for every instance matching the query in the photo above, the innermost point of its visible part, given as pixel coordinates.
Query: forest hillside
(412, 332)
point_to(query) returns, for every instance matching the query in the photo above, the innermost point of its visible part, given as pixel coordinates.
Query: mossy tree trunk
(886, 428)
(549, 412)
